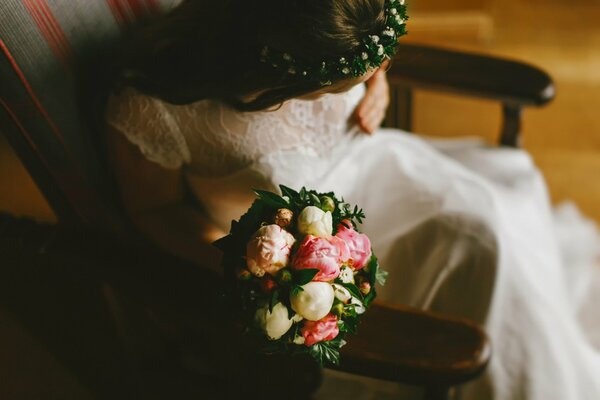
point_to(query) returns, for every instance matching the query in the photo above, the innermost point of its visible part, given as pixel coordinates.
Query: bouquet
(302, 274)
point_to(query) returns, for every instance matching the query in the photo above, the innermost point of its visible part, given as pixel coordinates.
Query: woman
(220, 97)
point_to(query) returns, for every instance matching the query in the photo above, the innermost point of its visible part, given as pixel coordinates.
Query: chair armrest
(513, 83)
(489, 77)
(394, 343)
(416, 347)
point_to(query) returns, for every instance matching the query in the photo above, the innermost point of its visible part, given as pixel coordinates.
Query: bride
(220, 97)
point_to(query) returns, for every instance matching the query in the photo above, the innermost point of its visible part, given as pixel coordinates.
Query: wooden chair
(130, 321)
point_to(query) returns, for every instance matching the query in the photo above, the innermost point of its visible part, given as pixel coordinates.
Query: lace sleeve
(150, 126)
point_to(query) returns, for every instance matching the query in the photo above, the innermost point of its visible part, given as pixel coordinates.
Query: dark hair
(210, 49)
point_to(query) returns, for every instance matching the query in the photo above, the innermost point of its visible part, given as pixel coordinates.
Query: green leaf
(315, 200)
(325, 354)
(271, 199)
(381, 276)
(371, 268)
(303, 276)
(353, 290)
(295, 290)
(286, 191)
(351, 323)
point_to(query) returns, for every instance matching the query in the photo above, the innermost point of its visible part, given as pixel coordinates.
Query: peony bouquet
(301, 273)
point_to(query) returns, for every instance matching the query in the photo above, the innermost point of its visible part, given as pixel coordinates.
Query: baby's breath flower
(376, 48)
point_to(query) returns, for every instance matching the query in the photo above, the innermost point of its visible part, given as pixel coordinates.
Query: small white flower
(375, 38)
(380, 50)
(287, 57)
(347, 275)
(389, 32)
(341, 293)
(343, 60)
(364, 55)
(345, 70)
(401, 2)
(359, 307)
(299, 340)
(399, 20)
(394, 11)
(291, 70)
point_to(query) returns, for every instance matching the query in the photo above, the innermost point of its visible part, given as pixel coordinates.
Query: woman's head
(215, 49)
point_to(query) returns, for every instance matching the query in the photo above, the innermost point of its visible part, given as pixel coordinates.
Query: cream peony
(276, 323)
(314, 221)
(314, 301)
(269, 250)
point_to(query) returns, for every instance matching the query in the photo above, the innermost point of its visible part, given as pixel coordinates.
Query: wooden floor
(564, 137)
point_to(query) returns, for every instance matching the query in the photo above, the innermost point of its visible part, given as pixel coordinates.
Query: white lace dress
(462, 228)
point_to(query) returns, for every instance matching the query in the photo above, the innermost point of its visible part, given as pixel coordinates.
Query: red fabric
(49, 28)
(72, 181)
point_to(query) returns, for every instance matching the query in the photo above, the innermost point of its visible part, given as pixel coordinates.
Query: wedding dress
(462, 228)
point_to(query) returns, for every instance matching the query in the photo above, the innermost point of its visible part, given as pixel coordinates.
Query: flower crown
(374, 51)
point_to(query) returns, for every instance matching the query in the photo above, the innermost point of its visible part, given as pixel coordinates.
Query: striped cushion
(41, 43)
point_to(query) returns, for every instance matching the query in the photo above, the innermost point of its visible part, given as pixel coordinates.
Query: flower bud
(314, 221)
(338, 309)
(283, 217)
(365, 288)
(327, 204)
(267, 284)
(285, 276)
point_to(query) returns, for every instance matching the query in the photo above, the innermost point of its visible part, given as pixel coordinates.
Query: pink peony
(324, 254)
(358, 244)
(269, 250)
(321, 330)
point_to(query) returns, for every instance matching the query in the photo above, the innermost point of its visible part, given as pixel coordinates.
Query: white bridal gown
(462, 228)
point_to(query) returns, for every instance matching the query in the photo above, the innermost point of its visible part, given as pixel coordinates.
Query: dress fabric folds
(463, 228)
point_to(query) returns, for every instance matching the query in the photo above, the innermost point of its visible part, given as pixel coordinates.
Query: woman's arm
(154, 198)
(370, 112)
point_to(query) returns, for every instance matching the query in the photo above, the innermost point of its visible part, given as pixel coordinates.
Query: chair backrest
(42, 45)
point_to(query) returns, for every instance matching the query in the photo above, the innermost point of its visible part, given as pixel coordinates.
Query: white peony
(314, 221)
(276, 323)
(314, 301)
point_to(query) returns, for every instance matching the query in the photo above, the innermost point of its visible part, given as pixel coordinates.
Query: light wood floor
(564, 137)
